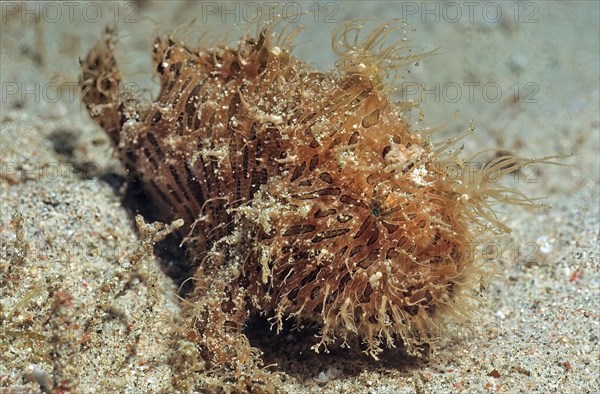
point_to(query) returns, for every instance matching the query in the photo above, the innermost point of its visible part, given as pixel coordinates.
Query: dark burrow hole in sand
(64, 142)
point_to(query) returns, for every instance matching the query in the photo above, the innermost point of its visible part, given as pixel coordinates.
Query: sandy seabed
(83, 300)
